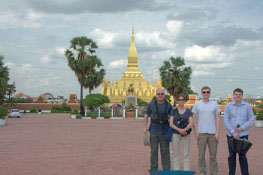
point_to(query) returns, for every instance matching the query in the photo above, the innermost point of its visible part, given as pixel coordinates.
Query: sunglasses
(206, 92)
(160, 93)
(180, 99)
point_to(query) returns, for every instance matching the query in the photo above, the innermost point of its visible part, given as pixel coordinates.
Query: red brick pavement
(54, 144)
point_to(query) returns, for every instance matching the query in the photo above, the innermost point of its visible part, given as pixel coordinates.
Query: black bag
(181, 123)
(239, 146)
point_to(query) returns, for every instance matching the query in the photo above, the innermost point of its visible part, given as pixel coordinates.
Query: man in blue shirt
(158, 110)
(238, 118)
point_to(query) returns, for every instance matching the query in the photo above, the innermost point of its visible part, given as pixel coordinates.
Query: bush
(65, 108)
(61, 109)
(105, 114)
(3, 112)
(93, 101)
(254, 111)
(260, 115)
(74, 111)
(92, 114)
(33, 110)
(141, 102)
(78, 116)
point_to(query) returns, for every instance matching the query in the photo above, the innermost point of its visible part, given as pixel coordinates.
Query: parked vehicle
(14, 113)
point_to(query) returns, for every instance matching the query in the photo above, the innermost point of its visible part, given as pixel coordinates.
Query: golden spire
(132, 56)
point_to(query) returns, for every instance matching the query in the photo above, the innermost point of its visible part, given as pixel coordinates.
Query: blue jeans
(242, 160)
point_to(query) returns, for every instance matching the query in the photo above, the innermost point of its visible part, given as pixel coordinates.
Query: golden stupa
(132, 82)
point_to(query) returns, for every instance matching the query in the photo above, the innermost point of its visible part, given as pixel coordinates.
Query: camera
(182, 123)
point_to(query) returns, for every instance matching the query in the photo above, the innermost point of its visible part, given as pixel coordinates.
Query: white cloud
(260, 88)
(204, 60)
(153, 39)
(45, 59)
(154, 73)
(162, 55)
(197, 73)
(31, 19)
(50, 80)
(118, 63)
(258, 68)
(11, 19)
(174, 26)
(8, 19)
(26, 68)
(60, 50)
(197, 53)
(103, 38)
(23, 75)
(143, 39)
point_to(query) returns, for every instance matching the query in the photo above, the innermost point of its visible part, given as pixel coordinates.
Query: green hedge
(105, 114)
(33, 110)
(75, 111)
(61, 109)
(92, 114)
(58, 111)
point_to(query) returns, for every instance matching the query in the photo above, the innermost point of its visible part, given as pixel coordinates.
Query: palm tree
(95, 76)
(79, 56)
(176, 76)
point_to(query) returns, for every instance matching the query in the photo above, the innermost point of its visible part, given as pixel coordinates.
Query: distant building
(56, 100)
(22, 96)
(132, 82)
(73, 99)
(47, 96)
(41, 99)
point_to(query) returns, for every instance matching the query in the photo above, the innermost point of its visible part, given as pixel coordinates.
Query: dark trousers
(155, 141)
(242, 160)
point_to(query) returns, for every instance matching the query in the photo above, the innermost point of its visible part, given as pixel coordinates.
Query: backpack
(156, 117)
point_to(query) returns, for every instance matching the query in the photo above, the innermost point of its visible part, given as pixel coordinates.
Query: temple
(132, 82)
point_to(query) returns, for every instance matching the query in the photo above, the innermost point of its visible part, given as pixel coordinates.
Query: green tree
(176, 76)
(95, 76)
(4, 77)
(84, 63)
(94, 101)
(10, 90)
(141, 102)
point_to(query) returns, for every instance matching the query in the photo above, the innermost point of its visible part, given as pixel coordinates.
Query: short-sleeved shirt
(206, 112)
(188, 113)
(157, 128)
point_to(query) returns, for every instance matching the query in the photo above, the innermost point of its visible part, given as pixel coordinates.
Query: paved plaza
(54, 144)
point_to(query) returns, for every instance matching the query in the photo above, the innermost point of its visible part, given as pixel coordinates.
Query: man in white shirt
(208, 114)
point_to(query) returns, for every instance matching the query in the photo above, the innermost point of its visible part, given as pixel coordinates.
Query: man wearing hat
(238, 118)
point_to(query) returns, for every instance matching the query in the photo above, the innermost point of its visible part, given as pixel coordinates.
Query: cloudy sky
(222, 40)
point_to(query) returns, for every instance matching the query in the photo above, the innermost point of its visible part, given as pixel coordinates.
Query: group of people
(238, 118)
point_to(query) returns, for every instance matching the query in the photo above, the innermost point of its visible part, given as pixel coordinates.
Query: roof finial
(132, 29)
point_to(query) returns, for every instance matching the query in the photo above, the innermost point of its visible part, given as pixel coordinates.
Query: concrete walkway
(54, 144)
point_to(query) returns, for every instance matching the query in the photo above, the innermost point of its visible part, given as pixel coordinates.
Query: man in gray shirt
(208, 114)
(238, 118)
